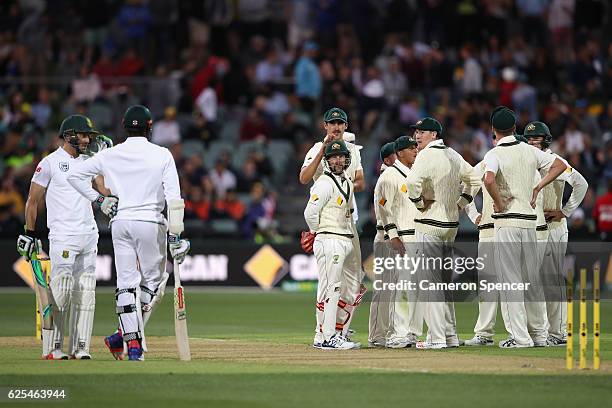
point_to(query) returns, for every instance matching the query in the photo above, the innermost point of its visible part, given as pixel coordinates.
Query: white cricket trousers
(439, 308)
(351, 294)
(516, 262)
(381, 299)
(331, 252)
(140, 260)
(487, 304)
(555, 282)
(407, 313)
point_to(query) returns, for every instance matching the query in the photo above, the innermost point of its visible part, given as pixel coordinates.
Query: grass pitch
(253, 350)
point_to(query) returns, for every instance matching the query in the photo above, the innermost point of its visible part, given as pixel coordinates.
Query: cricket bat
(41, 287)
(180, 317)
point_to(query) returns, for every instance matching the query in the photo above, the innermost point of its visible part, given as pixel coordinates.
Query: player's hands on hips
(108, 204)
(28, 245)
(307, 241)
(553, 215)
(178, 247)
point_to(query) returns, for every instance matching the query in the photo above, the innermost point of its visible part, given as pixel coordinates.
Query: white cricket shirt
(142, 174)
(68, 212)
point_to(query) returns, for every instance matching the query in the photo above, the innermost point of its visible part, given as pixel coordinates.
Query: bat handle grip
(177, 273)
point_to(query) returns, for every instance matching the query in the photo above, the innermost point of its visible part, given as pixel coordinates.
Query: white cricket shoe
(81, 354)
(511, 343)
(554, 341)
(318, 340)
(478, 340)
(452, 341)
(398, 343)
(338, 342)
(426, 345)
(376, 343)
(56, 354)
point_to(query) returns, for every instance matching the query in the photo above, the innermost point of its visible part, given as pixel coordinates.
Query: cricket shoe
(397, 343)
(554, 341)
(135, 351)
(452, 341)
(542, 343)
(56, 354)
(426, 345)
(376, 343)
(81, 354)
(511, 343)
(338, 342)
(479, 340)
(114, 343)
(318, 340)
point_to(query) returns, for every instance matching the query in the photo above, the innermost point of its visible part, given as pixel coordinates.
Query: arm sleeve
(415, 180)
(81, 174)
(311, 154)
(170, 179)
(320, 194)
(545, 160)
(472, 212)
(42, 174)
(579, 189)
(385, 205)
(491, 163)
(467, 174)
(358, 165)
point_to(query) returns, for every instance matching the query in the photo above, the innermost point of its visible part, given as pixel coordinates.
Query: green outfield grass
(252, 349)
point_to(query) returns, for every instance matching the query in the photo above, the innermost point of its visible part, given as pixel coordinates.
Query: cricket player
(397, 214)
(380, 305)
(73, 237)
(329, 217)
(433, 186)
(144, 177)
(539, 136)
(510, 177)
(484, 329)
(336, 123)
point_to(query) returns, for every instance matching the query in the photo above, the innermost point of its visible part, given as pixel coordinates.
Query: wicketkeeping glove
(28, 245)
(178, 247)
(307, 241)
(108, 204)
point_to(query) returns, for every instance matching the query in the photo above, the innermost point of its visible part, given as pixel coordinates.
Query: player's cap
(335, 114)
(137, 118)
(404, 142)
(76, 124)
(335, 148)
(503, 119)
(387, 150)
(428, 123)
(536, 129)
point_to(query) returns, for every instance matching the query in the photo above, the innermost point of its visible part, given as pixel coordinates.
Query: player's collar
(507, 141)
(401, 166)
(436, 142)
(548, 151)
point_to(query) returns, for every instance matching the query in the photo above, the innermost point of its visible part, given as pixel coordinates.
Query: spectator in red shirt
(602, 214)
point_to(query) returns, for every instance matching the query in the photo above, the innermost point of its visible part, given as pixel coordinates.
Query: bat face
(179, 304)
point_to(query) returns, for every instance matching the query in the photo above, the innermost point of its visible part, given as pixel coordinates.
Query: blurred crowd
(237, 88)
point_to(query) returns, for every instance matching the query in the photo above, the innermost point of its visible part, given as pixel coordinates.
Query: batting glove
(108, 204)
(28, 245)
(178, 247)
(106, 141)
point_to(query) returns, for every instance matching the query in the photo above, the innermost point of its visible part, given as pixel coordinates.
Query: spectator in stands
(200, 129)
(230, 206)
(166, 132)
(254, 126)
(602, 214)
(307, 77)
(198, 205)
(10, 197)
(247, 176)
(222, 178)
(269, 70)
(134, 18)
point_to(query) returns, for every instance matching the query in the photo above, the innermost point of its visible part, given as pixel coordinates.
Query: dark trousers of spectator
(534, 30)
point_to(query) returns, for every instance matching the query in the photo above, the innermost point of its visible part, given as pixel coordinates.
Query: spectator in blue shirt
(307, 77)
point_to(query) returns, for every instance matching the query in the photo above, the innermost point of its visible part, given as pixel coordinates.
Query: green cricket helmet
(537, 129)
(74, 125)
(335, 148)
(138, 119)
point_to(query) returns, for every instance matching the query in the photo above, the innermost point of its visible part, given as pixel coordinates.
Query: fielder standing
(144, 177)
(380, 305)
(329, 218)
(433, 185)
(556, 213)
(335, 123)
(73, 237)
(510, 169)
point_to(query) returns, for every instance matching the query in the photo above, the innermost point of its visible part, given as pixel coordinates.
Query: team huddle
(418, 197)
(131, 183)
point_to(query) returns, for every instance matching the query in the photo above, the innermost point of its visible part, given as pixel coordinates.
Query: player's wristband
(173, 238)
(32, 234)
